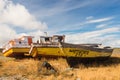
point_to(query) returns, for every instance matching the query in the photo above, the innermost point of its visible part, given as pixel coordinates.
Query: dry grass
(27, 69)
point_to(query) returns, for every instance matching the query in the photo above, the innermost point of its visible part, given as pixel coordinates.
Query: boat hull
(64, 50)
(70, 52)
(16, 52)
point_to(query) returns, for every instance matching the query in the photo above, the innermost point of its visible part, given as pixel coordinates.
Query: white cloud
(101, 25)
(2, 4)
(109, 40)
(106, 25)
(89, 17)
(62, 7)
(93, 37)
(19, 16)
(13, 16)
(88, 20)
(100, 20)
(114, 42)
(6, 33)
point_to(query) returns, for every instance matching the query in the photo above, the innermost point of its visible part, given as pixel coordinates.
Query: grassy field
(28, 69)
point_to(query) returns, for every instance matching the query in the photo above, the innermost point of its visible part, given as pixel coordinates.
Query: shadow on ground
(112, 61)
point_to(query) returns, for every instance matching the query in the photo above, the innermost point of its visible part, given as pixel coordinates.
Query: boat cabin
(58, 38)
(45, 39)
(53, 39)
(24, 41)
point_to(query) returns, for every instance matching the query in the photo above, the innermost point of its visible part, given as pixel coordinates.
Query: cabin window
(60, 39)
(47, 39)
(19, 42)
(56, 39)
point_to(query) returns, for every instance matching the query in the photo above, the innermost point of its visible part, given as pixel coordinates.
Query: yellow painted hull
(68, 52)
(56, 52)
(16, 52)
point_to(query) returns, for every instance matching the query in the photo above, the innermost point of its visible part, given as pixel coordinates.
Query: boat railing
(7, 47)
(46, 44)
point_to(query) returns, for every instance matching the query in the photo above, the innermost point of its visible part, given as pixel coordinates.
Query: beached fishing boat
(53, 46)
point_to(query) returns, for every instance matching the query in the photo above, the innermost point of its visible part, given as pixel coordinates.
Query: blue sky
(82, 21)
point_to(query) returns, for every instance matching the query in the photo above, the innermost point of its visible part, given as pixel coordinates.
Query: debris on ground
(46, 68)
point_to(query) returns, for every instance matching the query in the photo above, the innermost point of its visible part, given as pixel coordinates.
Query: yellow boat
(56, 47)
(16, 51)
(17, 47)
